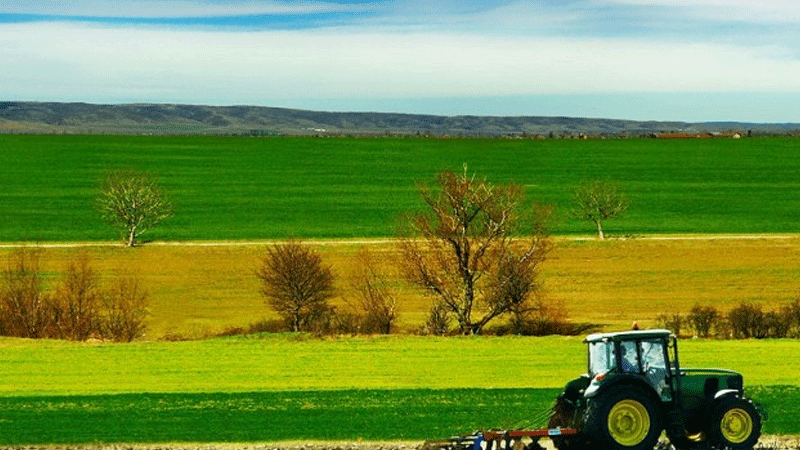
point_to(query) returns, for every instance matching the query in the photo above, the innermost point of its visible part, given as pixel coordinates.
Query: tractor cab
(634, 355)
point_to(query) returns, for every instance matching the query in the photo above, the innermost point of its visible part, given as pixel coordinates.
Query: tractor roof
(628, 335)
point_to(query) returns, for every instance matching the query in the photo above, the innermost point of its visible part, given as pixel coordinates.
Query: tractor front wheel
(735, 424)
(624, 418)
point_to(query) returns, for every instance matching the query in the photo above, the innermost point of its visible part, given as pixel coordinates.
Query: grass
(274, 388)
(376, 415)
(290, 363)
(371, 415)
(400, 387)
(243, 188)
(197, 291)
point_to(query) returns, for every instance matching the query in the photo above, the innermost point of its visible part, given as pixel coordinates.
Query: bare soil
(766, 443)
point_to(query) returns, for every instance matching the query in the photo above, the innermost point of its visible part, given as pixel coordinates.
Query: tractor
(635, 389)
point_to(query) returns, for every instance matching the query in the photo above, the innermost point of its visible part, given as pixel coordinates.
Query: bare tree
(79, 298)
(133, 202)
(598, 201)
(296, 284)
(124, 310)
(377, 301)
(461, 250)
(25, 307)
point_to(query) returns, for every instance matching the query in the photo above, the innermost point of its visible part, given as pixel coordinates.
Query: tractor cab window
(601, 357)
(654, 365)
(629, 357)
(653, 355)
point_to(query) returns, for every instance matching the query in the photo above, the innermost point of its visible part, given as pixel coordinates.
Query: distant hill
(84, 118)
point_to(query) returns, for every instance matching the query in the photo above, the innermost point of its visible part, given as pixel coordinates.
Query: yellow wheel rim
(628, 423)
(736, 426)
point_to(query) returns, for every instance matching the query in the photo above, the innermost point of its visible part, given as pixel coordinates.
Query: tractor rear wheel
(735, 424)
(624, 418)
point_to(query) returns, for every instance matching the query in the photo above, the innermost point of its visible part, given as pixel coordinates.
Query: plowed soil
(766, 443)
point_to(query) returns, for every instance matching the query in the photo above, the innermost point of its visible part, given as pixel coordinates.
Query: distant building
(685, 135)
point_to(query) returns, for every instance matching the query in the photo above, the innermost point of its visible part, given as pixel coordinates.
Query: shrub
(297, 286)
(722, 328)
(702, 319)
(78, 297)
(26, 309)
(673, 322)
(77, 310)
(776, 324)
(124, 311)
(791, 313)
(747, 321)
(543, 320)
(438, 323)
(377, 303)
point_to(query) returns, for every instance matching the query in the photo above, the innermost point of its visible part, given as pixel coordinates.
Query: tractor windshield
(655, 366)
(601, 357)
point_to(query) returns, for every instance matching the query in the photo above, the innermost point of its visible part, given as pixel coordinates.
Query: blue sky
(687, 60)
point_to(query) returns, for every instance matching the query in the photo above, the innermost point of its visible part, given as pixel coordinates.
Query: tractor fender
(722, 393)
(596, 387)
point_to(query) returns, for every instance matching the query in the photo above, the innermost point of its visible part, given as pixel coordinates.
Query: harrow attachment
(499, 440)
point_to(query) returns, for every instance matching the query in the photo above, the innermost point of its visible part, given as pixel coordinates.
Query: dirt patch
(766, 443)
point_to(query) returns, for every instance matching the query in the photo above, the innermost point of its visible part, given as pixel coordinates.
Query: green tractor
(635, 389)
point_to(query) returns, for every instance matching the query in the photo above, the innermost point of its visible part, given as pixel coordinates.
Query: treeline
(78, 308)
(298, 285)
(745, 321)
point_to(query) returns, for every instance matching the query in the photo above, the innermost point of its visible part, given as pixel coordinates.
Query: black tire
(624, 418)
(735, 424)
(563, 416)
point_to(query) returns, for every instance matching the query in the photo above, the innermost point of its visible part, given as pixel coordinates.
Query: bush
(77, 309)
(26, 310)
(124, 311)
(673, 322)
(544, 320)
(78, 296)
(777, 325)
(377, 302)
(438, 323)
(262, 326)
(791, 314)
(297, 286)
(702, 319)
(747, 321)
(722, 328)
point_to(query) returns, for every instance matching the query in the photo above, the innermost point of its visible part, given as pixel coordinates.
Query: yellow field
(197, 290)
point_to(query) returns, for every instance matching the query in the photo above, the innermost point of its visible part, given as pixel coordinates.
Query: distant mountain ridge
(86, 118)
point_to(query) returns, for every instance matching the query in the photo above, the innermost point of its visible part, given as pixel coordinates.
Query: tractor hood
(711, 380)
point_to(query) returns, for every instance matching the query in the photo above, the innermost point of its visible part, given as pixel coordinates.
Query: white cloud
(754, 11)
(59, 61)
(165, 8)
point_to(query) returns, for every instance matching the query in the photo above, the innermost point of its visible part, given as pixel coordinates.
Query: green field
(289, 387)
(229, 188)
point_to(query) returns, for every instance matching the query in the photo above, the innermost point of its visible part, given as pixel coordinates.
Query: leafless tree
(598, 201)
(124, 313)
(79, 298)
(26, 308)
(377, 301)
(296, 284)
(462, 251)
(133, 202)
